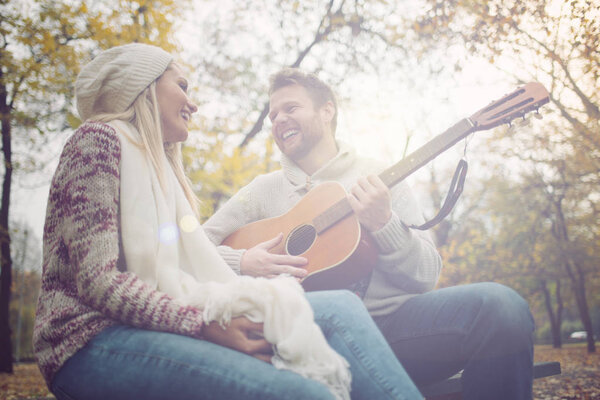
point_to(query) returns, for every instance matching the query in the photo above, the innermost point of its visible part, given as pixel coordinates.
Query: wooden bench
(451, 388)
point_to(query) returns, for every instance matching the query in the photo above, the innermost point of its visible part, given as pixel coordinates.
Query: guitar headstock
(528, 97)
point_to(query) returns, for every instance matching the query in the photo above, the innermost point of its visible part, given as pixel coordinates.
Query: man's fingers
(295, 272)
(269, 244)
(358, 192)
(284, 259)
(377, 182)
(354, 203)
(369, 188)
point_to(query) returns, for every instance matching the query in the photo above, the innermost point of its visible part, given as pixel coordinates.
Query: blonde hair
(145, 116)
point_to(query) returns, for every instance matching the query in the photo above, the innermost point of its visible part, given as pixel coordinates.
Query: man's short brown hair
(319, 92)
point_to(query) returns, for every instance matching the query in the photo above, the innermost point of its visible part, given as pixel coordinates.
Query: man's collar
(330, 171)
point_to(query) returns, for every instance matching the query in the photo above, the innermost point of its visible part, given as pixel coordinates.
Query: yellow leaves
(48, 42)
(424, 27)
(26, 382)
(338, 20)
(218, 172)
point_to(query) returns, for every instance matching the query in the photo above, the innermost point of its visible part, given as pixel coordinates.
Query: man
(485, 329)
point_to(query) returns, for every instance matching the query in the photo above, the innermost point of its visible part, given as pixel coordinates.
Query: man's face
(297, 126)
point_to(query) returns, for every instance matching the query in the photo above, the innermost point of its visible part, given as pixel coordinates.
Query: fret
(426, 153)
(332, 215)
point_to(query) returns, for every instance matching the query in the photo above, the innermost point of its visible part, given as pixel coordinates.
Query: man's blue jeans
(128, 363)
(484, 328)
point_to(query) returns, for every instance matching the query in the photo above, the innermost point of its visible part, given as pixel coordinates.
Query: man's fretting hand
(257, 261)
(371, 200)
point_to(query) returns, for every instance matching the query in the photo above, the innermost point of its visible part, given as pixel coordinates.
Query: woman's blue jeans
(123, 362)
(484, 328)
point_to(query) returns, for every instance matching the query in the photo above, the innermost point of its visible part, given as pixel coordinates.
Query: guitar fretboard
(333, 214)
(400, 170)
(426, 153)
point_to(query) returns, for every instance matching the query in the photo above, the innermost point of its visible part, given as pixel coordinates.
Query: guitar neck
(426, 153)
(401, 170)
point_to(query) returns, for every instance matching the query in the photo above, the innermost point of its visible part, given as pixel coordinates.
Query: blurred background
(404, 72)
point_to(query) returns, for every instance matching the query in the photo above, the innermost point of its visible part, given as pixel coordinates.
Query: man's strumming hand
(257, 261)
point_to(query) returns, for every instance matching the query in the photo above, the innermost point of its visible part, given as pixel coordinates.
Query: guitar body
(340, 255)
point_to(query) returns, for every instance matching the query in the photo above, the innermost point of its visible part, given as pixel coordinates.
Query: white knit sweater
(408, 262)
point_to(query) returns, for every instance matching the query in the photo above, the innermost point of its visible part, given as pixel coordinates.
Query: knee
(335, 303)
(503, 302)
(506, 311)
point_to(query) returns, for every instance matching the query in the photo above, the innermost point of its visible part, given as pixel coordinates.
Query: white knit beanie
(112, 81)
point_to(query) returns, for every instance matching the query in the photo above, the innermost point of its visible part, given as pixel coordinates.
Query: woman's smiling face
(174, 105)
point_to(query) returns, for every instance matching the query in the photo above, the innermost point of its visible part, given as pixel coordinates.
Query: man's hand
(241, 335)
(371, 200)
(257, 261)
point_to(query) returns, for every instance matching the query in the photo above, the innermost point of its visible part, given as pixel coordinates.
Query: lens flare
(188, 223)
(168, 233)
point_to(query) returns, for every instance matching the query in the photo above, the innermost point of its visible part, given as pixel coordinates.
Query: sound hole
(301, 239)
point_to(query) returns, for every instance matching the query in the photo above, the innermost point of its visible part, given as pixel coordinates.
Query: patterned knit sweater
(85, 288)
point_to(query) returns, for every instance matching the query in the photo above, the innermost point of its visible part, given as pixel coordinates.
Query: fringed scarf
(167, 248)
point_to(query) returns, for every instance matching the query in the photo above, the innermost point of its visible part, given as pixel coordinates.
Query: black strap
(456, 188)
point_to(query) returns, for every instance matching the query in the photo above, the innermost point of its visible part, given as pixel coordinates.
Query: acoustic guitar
(323, 227)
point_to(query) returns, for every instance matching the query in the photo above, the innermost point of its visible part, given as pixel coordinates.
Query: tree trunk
(20, 283)
(555, 317)
(6, 356)
(584, 311)
(577, 277)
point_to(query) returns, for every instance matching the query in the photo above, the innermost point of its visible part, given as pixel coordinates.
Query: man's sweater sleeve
(408, 257)
(234, 214)
(88, 206)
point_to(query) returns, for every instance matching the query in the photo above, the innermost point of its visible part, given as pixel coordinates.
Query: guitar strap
(456, 188)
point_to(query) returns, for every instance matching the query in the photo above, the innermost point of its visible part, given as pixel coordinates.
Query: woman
(134, 299)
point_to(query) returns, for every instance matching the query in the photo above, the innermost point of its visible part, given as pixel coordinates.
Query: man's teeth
(288, 134)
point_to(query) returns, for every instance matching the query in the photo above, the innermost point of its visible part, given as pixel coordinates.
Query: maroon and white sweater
(85, 287)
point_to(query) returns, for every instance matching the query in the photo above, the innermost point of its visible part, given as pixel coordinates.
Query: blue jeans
(127, 363)
(484, 328)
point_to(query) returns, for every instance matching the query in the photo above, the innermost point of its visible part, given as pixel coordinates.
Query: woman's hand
(242, 335)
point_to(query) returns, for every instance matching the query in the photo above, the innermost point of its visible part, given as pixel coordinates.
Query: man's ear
(327, 112)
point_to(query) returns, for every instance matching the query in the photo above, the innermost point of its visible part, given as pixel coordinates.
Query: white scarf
(167, 248)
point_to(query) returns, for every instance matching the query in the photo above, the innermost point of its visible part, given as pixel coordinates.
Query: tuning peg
(538, 115)
(511, 127)
(524, 121)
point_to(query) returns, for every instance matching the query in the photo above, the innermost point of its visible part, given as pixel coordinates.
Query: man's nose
(279, 119)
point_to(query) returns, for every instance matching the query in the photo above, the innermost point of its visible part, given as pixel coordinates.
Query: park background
(404, 72)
